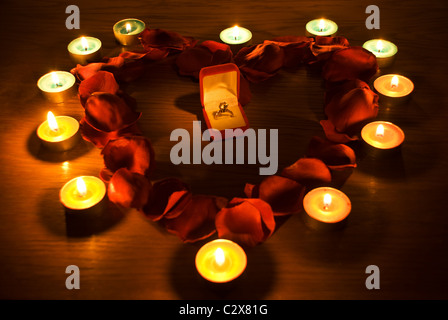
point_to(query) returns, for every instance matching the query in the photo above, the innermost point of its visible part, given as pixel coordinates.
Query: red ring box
(221, 83)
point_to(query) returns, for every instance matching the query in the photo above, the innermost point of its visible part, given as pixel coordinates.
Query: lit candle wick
(81, 187)
(236, 32)
(394, 82)
(321, 25)
(219, 257)
(128, 27)
(84, 43)
(327, 201)
(52, 123)
(379, 45)
(55, 79)
(380, 131)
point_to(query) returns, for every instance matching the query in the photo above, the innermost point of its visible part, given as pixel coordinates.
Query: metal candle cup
(236, 37)
(383, 50)
(393, 89)
(127, 31)
(220, 261)
(321, 27)
(57, 86)
(382, 135)
(83, 194)
(326, 208)
(65, 137)
(84, 50)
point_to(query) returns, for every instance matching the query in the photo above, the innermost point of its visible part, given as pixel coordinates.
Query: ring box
(219, 84)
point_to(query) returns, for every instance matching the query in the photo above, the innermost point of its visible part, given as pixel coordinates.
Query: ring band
(223, 111)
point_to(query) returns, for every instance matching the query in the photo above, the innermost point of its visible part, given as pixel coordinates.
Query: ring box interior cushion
(218, 84)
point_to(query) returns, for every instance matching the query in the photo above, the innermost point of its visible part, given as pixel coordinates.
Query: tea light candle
(321, 27)
(84, 50)
(383, 50)
(393, 88)
(220, 261)
(382, 135)
(236, 37)
(82, 193)
(326, 206)
(58, 133)
(127, 31)
(57, 86)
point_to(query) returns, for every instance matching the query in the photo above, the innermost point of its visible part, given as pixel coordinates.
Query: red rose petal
(324, 45)
(134, 153)
(169, 194)
(101, 81)
(101, 138)
(283, 194)
(169, 198)
(87, 71)
(245, 221)
(296, 49)
(349, 64)
(129, 189)
(108, 112)
(208, 53)
(348, 106)
(333, 155)
(260, 62)
(196, 221)
(340, 158)
(310, 172)
(159, 38)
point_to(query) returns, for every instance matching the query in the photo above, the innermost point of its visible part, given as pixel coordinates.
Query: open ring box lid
(221, 83)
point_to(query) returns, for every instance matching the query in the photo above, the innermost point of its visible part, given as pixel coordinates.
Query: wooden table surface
(399, 220)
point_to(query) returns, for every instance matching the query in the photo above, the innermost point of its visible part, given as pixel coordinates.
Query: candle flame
(219, 257)
(379, 45)
(84, 43)
(81, 187)
(128, 27)
(380, 131)
(52, 123)
(321, 24)
(55, 79)
(65, 165)
(394, 82)
(236, 32)
(327, 200)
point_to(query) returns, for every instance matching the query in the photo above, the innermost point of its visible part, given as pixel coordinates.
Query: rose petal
(101, 81)
(333, 155)
(245, 92)
(134, 153)
(196, 221)
(101, 138)
(260, 62)
(296, 50)
(340, 158)
(284, 195)
(108, 112)
(348, 106)
(164, 39)
(324, 45)
(147, 54)
(208, 53)
(87, 71)
(169, 198)
(349, 64)
(245, 221)
(129, 189)
(309, 172)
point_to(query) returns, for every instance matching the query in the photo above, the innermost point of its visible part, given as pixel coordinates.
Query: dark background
(399, 218)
